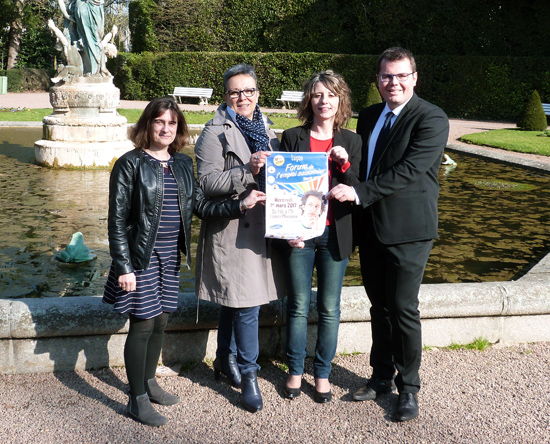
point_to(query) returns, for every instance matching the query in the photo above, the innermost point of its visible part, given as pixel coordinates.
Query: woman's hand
(253, 198)
(342, 193)
(297, 243)
(127, 282)
(257, 161)
(338, 154)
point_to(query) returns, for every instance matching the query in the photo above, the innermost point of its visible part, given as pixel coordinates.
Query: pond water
(485, 234)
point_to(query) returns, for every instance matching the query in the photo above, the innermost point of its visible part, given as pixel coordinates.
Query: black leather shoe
(375, 386)
(227, 365)
(322, 398)
(252, 398)
(407, 407)
(291, 393)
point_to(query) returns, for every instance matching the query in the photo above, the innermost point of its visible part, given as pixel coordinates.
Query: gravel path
(500, 395)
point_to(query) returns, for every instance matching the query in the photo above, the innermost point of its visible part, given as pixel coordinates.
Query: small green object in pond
(76, 251)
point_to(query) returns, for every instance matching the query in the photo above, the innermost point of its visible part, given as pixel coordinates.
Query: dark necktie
(381, 140)
(384, 132)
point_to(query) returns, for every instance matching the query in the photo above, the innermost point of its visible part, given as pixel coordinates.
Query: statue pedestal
(85, 130)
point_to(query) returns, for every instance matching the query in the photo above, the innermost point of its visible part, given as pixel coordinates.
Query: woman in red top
(324, 111)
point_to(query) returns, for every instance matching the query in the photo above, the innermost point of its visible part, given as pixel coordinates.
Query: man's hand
(342, 193)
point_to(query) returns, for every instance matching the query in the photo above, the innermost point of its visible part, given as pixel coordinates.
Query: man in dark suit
(403, 142)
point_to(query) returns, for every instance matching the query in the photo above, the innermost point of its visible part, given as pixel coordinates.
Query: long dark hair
(140, 133)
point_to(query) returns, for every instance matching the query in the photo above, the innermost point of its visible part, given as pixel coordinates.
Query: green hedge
(28, 79)
(465, 87)
(145, 76)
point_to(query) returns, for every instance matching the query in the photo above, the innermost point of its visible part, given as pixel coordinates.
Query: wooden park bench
(202, 93)
(546, 108)
(290, 96)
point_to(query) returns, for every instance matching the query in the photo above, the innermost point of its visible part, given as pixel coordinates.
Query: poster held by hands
(296, 186)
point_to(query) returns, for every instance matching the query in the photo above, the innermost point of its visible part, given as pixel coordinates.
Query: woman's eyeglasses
(236, 93)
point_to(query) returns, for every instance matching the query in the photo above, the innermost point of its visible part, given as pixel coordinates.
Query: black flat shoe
(407, 407)
(322, 398)
(374, 388)
(291, 393)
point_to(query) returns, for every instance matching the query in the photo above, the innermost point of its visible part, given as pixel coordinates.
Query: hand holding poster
(296, 186)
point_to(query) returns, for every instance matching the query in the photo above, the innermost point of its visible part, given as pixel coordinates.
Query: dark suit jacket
(297, 140)
(402, 187)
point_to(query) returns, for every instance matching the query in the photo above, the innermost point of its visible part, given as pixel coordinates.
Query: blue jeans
(321, 253)
(238, 335)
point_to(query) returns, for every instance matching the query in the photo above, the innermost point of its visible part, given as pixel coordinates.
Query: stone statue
(84, 22)
(85, 129)
(71, 55)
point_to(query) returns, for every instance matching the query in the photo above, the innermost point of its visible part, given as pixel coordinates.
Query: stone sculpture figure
(71, 54)
(84, 29)
(90, 21)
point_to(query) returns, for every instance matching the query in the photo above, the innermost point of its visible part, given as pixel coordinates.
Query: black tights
(142, 350)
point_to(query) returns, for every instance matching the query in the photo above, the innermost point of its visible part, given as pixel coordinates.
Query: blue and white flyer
(296, 186)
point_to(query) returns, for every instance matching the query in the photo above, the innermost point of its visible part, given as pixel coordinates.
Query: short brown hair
(336, 84)
(140, 133)
(395, 54)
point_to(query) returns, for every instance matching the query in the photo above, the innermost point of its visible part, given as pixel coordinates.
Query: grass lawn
(280, 120)
(531, 142)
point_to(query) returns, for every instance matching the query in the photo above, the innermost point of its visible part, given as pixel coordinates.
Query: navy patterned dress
(157, 287)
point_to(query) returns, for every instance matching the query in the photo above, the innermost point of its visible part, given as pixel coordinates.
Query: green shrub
(373, 95)
(532, 117)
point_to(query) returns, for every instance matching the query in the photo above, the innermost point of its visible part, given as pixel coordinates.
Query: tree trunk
(14, 36)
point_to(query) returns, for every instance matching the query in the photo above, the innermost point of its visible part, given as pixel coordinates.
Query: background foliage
(465, 27)
(465, 87)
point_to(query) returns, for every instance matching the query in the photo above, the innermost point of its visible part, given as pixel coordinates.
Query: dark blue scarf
(255, 134)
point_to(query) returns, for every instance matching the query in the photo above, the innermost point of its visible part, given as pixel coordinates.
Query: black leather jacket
(135, 205)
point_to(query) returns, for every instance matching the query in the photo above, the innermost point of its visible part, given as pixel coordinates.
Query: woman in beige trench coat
(233, 258)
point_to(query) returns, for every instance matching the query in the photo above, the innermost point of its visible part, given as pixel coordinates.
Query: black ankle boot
(158, 395)
(227, 365)
(140, 408)
(252, 399)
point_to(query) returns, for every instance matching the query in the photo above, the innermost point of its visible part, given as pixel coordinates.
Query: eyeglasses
(386, 78)
(236, 93)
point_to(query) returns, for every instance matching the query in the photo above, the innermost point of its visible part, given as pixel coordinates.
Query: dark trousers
(238, 335)
(392, 275)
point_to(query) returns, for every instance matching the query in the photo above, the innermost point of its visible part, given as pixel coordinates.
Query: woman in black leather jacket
(152, 197)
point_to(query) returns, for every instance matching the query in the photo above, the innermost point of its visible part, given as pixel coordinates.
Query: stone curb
(43, 335)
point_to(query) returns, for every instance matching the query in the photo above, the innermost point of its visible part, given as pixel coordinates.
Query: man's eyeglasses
(236, 93)
(386, 78)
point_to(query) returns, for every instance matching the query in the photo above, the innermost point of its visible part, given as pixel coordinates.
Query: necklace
(163, 162)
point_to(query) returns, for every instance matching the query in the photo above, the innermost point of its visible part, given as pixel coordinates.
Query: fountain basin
(85, 130)
(68, 333)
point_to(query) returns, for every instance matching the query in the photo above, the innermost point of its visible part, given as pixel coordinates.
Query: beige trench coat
(234, 266)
